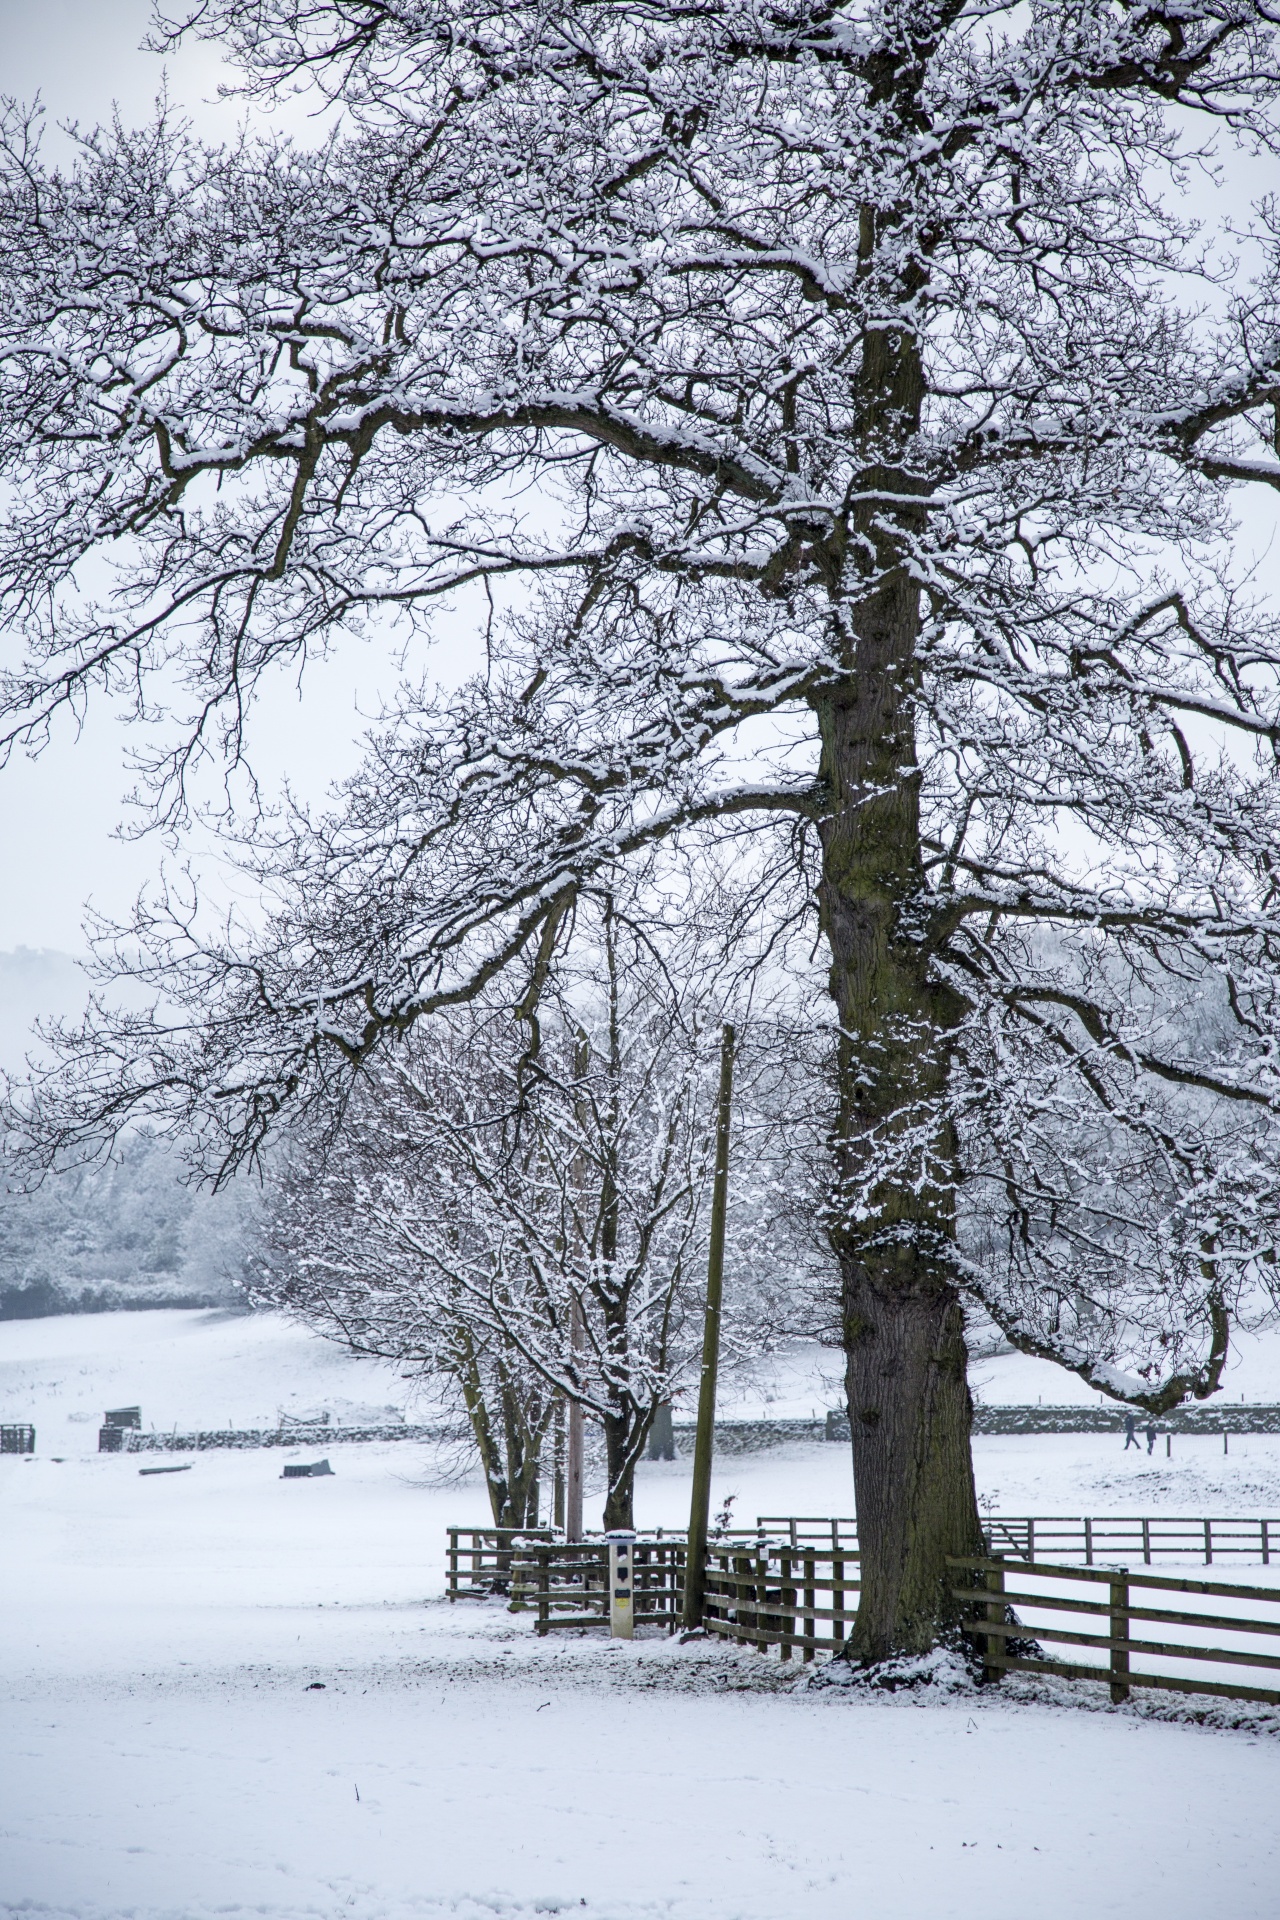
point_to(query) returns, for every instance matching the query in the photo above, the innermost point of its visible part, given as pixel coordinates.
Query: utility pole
(577, 1336)
(573, 1451)
(700, 1505)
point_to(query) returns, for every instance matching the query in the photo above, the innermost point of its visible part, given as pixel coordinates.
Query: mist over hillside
(36, 984)
(130, 1233)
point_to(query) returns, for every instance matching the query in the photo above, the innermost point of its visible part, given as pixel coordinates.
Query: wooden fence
(777, 1594)
(567, 1584)
(1012, 1622)
(1046, 1537)
(802, 1598)
(480, 1560)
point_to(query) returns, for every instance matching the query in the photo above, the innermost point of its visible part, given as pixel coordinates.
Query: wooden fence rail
(479, 1559)
(1092, 1539)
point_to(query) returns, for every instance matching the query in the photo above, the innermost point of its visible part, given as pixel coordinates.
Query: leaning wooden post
(695, 1571)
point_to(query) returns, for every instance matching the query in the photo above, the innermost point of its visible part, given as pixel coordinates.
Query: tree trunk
(909, 1403)
(912, 1469)
(620, 1457)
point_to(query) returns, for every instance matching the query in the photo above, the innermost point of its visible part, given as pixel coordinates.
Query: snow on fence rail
(798, 1598)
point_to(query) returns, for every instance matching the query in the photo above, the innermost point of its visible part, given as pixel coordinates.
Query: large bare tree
(883, 411)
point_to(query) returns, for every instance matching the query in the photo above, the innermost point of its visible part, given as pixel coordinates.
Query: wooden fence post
(516, 1571)
(787, 1597)
(995, 1614)
(810, 1601)
(1119, 1631)
(544, 1588)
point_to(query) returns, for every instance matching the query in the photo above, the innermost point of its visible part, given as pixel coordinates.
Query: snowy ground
(167, 1750)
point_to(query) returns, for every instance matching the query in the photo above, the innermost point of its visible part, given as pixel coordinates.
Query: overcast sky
(58, 848)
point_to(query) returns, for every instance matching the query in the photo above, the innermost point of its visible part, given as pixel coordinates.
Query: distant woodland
(127, 1234)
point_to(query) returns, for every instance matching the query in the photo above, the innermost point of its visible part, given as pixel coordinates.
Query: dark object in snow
(316, 1686)
(307, 1470)
(144, 1471)
(19, 1439)
(116, 1421)
(1151, 1437)
(1131, 1432)
(662, 1439)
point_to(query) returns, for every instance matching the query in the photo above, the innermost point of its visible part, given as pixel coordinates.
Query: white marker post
(622, 1616)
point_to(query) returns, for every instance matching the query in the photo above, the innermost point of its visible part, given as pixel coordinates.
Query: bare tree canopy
(844, 419)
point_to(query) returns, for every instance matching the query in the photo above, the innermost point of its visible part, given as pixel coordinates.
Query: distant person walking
(1151, 1437)
(1131, 1432)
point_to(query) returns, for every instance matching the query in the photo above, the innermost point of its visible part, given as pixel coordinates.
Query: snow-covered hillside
(231, 1694)
(184, 1368)
(194, 1369)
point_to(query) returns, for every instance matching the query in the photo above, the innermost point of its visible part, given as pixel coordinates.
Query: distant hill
(36, 983)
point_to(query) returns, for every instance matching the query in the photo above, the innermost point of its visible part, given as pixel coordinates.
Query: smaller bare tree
(518, 1204)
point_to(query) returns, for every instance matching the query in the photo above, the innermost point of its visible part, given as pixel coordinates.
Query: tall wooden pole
(574, 1450)
(700, 1505)
(573, 1528)
(557, 1495)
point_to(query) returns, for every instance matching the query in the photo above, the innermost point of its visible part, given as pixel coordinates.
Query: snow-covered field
(167, 1751)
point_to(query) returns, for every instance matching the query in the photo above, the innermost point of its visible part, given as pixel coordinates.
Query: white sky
(58, 849)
